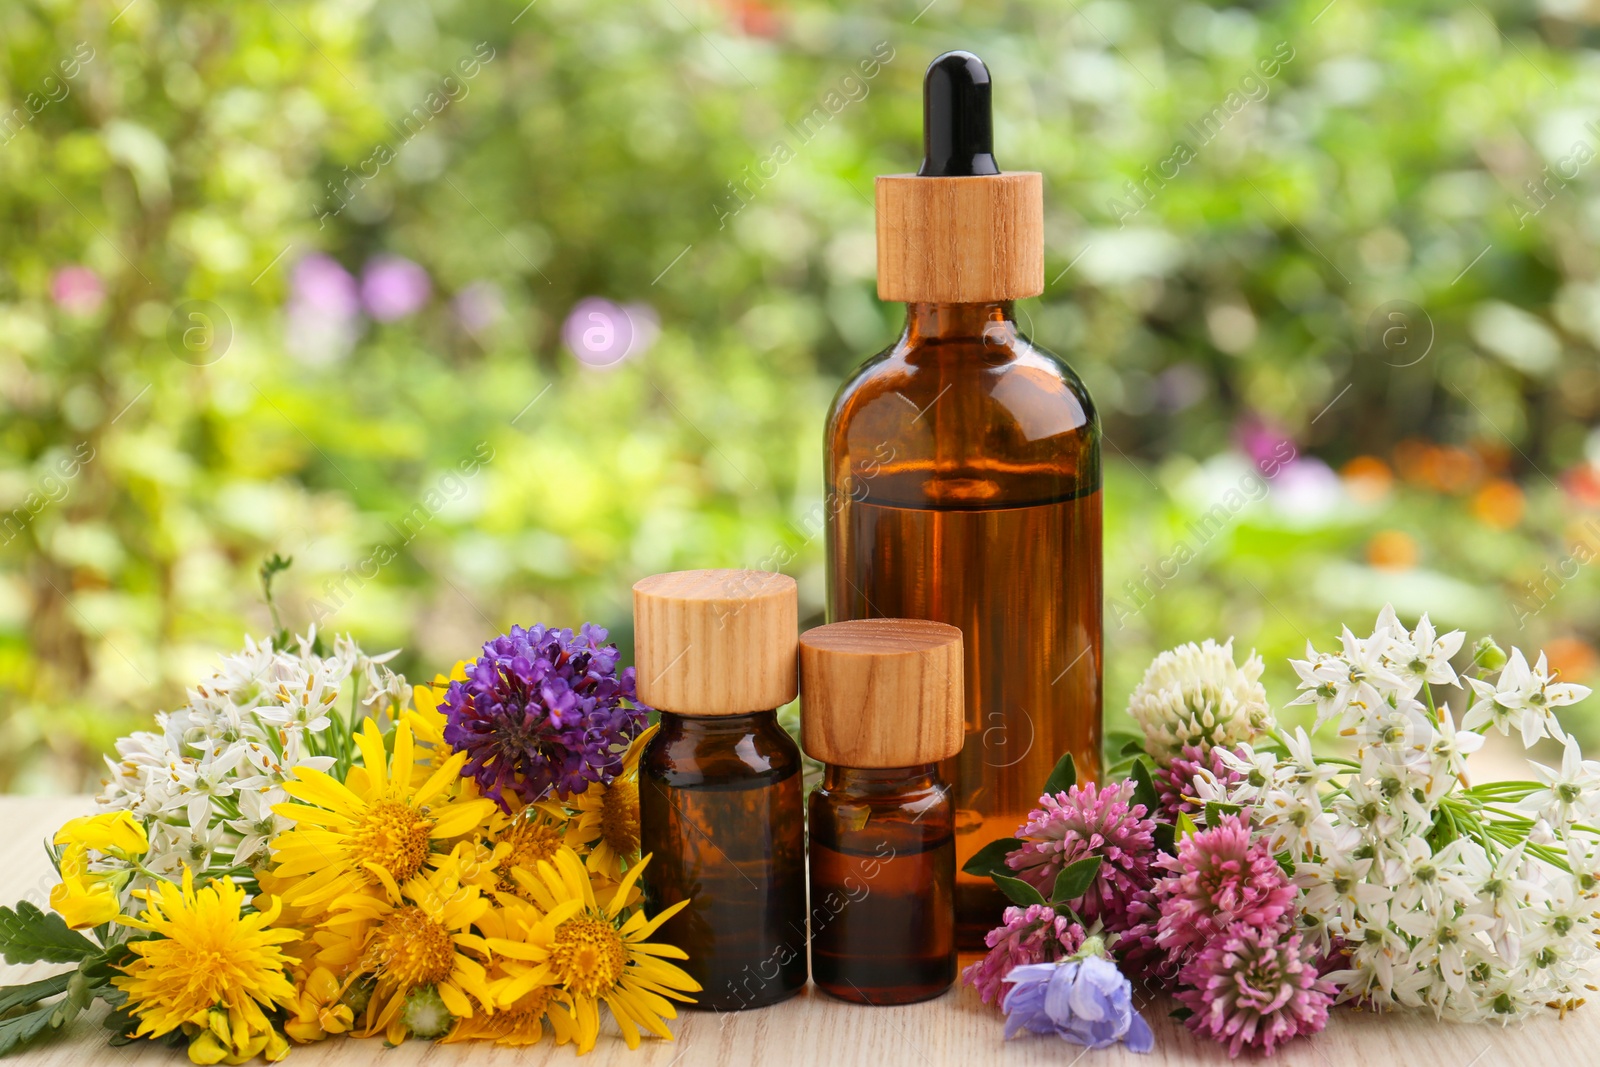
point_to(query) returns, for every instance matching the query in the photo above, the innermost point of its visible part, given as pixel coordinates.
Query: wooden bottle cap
(717, 642)
(960, 240)
(881, 692)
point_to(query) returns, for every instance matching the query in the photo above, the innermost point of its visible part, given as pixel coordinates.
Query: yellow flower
(412, 939)
(86, 897)
(317, 1010)
(219, 1042)
(111, 831)
(523, 837)
(373, 832)
(209, 967)
(606, 819)
(426, 720)
(591, 953)
(519, 1022)
(82, 899)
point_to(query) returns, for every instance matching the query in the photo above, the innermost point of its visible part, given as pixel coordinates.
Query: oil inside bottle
(882, 860)
(721, 810)
(1032, 631)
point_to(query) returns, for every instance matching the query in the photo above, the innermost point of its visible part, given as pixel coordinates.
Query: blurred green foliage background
(319, 277)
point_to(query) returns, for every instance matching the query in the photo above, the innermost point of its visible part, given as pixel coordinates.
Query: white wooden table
(814, 1030)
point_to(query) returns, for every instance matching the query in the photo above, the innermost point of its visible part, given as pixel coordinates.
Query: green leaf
(1132, 747)
(13, 997)
(1186, 825)
(1216, 809)
(1069, 914)
(1018, 891)
(100, 969)
(1181, 1013)
(1064, 777)
(28, 935)
(1073, 881)
(1166, 837)
(21, 1029)
(991, 858)
(80, 994)
(122, 1023)
(1144, 788)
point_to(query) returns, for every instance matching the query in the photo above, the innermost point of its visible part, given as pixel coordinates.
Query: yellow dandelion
(373, 832)
(606, 818)
(593, 953)
(416, 939)
(210, 969)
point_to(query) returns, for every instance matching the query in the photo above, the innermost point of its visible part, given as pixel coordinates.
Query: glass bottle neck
(963, 322)
(718, 725)
(879, 781)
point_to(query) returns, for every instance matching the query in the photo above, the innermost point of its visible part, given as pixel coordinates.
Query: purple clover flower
(543, 711)
(1083, 999)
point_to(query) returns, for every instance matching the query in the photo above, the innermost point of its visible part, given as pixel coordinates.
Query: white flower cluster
(206, 782)
(1196, 695)
(1474, 902)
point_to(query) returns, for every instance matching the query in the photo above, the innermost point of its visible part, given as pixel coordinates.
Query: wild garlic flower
(205, 781)
(1196, 695)
(1472, 902)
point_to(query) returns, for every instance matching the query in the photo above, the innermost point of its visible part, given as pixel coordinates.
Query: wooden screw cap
(717, 642)
(960, 240)
(881, 692)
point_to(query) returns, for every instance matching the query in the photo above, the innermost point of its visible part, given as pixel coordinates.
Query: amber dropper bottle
(880, 706)
(720, 784)
(963, 475)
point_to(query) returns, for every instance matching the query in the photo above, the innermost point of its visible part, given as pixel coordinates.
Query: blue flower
(1086, 1001)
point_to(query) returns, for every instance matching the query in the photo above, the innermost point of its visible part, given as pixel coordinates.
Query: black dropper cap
(957, 126)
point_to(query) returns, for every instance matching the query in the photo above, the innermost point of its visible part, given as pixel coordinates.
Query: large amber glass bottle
(963, 477)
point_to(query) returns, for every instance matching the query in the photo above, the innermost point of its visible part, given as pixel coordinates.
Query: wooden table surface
(812, 1029)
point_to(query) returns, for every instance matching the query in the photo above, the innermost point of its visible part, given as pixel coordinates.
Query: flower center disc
(531, 840)
(588, 955)
(395, 837)
(619, 816)
(412, 949)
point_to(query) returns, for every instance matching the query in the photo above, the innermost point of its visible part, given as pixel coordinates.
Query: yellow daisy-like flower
(412, 939)
(520, 1022)
(209, 967)
(592, 953)
(374, 831)
(606, 817)
(523, 837)
(426, 720)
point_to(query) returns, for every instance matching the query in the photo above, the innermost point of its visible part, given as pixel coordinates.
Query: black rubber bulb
(957, 125)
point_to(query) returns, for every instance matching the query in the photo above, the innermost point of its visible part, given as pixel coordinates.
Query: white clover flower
(1197, 695)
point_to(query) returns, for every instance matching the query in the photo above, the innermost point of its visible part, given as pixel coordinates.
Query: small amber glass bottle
(720, 801)
(881, 705)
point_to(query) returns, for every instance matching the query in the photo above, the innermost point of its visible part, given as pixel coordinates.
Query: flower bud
(1487, 654)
